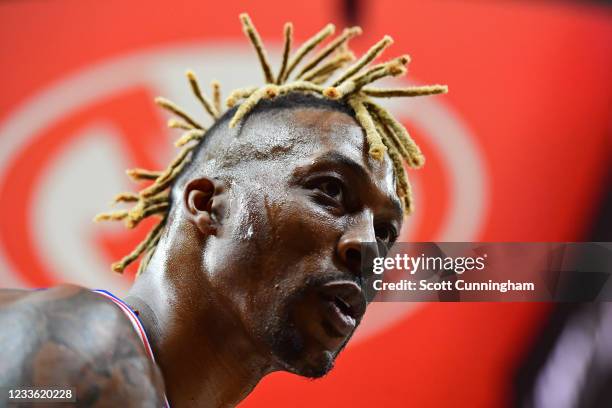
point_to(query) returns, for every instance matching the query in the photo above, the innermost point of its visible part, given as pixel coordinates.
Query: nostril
(353, 255)
(353, 259)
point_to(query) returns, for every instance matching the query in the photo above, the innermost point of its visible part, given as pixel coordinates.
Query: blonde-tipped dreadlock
(383, 132)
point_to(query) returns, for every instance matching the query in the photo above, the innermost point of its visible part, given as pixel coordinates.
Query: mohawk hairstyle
(382, 131)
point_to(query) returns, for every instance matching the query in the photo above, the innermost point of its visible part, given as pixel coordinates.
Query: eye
(331, 188)
(329, 192)
(386, 234)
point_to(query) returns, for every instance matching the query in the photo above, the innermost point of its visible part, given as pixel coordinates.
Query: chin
(314, 366)
(298, 354)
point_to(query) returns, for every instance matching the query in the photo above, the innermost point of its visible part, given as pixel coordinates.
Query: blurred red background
(518, 150)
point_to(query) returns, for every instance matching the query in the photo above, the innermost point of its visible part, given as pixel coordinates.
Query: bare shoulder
(71, 336)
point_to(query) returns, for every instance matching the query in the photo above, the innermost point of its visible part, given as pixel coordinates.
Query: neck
(204, 355)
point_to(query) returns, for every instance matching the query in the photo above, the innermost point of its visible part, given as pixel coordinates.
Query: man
(255, 265)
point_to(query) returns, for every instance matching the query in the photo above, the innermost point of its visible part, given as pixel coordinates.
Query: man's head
(269, 207)
(279, 208)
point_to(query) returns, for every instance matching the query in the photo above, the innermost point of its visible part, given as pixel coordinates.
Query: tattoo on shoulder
(69, 336)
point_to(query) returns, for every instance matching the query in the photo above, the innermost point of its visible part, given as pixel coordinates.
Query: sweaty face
(287, 255)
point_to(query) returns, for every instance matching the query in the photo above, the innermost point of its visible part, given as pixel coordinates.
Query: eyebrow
(359, 171)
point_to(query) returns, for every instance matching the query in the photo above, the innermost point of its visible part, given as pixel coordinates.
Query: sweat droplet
(249, 232)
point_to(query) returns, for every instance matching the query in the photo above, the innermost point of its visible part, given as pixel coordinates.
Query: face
(286, 254)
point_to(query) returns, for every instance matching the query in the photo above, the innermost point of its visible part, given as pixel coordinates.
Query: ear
(199, 199)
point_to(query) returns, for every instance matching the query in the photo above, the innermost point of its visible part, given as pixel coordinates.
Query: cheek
(300, 235)
(269, 249)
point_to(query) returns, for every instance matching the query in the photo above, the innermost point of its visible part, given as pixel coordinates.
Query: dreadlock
(383, 132)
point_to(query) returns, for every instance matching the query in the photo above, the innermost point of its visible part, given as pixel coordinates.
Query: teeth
(343, 306)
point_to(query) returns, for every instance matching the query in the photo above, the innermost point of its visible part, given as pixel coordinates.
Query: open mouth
(344, 306)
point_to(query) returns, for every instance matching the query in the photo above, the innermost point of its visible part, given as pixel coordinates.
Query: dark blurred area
(570, 365)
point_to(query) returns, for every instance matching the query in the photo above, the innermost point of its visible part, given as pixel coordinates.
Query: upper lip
(347, 295)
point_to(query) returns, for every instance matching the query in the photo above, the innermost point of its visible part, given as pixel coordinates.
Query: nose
(351, 248)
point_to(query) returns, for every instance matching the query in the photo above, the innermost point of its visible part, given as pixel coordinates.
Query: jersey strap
(136, 323)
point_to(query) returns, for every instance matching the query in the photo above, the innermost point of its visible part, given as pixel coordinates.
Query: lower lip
(340, 322)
